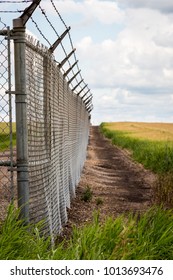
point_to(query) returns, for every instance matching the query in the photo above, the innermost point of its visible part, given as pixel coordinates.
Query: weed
(99, 201)
(87, 194)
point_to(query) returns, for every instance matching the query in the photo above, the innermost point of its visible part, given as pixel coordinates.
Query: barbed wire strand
(44, 37)
(46, 17)
(41, 33)
(61, 43)
(53, 4)
(56, 10)
(18, 11)
(15, 1)
(44, 13)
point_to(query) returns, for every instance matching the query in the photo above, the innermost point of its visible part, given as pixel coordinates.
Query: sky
(125, 52)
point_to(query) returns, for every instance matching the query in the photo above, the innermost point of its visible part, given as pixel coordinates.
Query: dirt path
(118, 184)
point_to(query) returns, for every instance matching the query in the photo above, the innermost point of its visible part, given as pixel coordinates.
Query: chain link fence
(42, 152)
(58, 127)
(7, 125)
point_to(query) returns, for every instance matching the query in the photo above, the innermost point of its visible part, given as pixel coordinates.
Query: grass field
(5, 136)
(150, 144)
(123, 238)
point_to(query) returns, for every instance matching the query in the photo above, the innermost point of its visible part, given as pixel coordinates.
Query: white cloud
(133, 58)
(131, 76)
(106, 12)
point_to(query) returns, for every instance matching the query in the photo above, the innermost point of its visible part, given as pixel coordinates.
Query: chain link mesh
(58, 128)
(7, 128)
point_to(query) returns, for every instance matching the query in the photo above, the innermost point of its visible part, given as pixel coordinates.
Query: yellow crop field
(142, 130)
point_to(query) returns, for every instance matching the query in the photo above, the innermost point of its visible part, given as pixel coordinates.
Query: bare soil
(118, 184)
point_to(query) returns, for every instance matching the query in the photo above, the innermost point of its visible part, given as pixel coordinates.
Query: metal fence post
(21, 118)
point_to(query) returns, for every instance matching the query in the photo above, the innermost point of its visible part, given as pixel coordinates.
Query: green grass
(18, 241)
(5, 136)
(156, 156)
(5, 141)
(87, 194)
(124, 238)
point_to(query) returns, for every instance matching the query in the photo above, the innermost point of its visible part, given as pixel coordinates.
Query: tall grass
(21, 242)
(156, 156)
(124, 238)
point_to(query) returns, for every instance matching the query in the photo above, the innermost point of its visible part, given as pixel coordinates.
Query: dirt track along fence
(53, 107)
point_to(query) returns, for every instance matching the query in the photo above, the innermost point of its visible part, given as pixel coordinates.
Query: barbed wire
(46, 17)
(53, 4)
(37, 26)
(15, 1)
(18, 11)
(63, 48)
(71, 42)
(41, 33)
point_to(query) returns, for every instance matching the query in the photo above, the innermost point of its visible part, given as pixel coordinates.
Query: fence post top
(17, 22)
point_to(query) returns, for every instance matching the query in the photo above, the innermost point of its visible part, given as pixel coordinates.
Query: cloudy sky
(125, 51)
